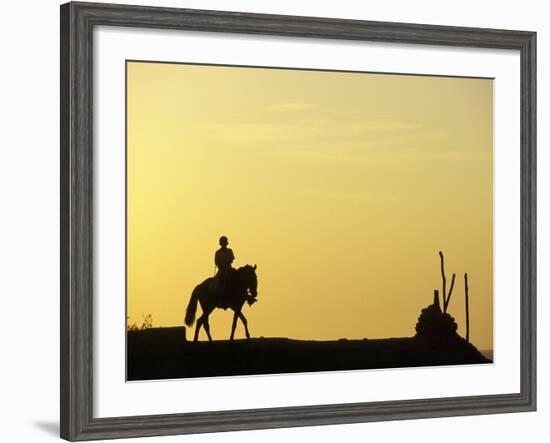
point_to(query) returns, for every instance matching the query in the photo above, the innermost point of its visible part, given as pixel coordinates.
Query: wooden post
(436, 299)
(467, 307)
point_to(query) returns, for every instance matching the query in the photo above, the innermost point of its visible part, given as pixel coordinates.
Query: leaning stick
(450, 293)
(444, 289)
(467, 307)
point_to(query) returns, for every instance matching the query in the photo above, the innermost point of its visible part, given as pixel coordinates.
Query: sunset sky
(341, 187)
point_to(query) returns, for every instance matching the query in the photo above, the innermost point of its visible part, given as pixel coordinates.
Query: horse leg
(235, 317)
(207, 328)
(200, 321)
(245, 323)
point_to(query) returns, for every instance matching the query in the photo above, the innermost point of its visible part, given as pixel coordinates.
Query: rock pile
(433, 323)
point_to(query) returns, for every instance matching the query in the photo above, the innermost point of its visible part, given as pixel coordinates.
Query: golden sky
(341, 187)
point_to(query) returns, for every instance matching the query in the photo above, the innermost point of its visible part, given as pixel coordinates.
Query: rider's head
(223, 241)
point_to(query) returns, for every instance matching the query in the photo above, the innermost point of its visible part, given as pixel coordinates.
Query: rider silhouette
(223, 259)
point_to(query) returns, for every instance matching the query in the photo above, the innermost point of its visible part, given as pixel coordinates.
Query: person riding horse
(223, 260)
(229, 288)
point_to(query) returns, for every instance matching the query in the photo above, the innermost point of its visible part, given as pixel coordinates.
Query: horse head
(250, 279)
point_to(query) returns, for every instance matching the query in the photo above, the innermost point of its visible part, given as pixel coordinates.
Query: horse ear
(255, 266)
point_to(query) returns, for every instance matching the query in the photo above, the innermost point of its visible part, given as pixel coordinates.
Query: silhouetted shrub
(147, 323)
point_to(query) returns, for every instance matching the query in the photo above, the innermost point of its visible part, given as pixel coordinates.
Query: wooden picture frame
(77, 208)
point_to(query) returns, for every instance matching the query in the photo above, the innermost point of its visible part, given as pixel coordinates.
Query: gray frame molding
(77, 23)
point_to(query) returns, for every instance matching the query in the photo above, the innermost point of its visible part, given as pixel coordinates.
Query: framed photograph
(273, 221)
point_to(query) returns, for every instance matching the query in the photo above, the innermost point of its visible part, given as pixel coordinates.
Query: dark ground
(161, 353)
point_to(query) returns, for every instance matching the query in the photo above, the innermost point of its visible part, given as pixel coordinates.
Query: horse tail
(192, 307)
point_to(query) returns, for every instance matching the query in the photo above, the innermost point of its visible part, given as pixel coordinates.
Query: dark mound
(163, 353)
(436, 324)
(436, 330)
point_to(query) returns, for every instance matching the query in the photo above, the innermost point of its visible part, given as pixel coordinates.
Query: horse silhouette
(241, 286)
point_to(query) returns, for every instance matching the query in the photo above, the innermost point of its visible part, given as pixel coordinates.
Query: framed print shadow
(292, 221)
